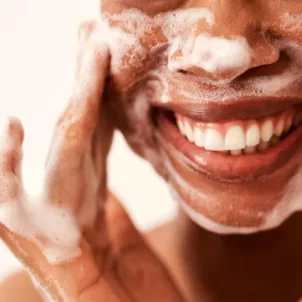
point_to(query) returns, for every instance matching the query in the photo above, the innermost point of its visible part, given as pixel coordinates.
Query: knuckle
(9, 159)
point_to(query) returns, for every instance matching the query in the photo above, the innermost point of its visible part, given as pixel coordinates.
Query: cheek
(131, 38)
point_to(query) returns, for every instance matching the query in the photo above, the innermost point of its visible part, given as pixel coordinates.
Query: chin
(234, 166)
(228, 192)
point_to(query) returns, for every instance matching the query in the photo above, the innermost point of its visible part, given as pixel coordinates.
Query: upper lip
(245, 108)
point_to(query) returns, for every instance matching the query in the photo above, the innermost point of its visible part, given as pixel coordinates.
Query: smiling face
(210, 92)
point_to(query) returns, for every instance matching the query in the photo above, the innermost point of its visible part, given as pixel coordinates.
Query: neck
(232, 263)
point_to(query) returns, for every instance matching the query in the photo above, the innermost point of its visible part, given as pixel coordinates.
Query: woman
(208, 92)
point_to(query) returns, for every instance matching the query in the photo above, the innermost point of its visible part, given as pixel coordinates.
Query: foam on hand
(33, 218)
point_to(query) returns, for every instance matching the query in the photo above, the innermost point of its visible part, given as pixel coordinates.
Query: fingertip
(84, 30)
(15, 129)
(11, 141)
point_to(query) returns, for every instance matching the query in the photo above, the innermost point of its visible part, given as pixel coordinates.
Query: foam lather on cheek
(123, 39)
(123, 32)
(291, 21)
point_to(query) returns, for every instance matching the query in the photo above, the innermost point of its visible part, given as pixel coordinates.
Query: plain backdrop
(38, 40)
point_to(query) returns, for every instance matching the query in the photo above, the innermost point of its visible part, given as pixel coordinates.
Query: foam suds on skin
(215, 55)
(123, 43)
(291, 21)
(290, 204)
(199, 50)
(32, 220)
(54, 230)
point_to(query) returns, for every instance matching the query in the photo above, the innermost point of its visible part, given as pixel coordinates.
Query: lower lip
(223, 167)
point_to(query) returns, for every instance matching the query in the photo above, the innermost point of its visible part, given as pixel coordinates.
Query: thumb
(141, 273)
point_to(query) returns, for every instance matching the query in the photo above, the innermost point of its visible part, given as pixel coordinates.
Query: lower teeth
(263, 146)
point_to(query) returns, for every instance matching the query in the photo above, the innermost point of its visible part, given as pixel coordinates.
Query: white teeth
(252, 136)
(213, 140)
(288, 123)
(267, 130)
(242, 137)
(234, 139)
(279, 128)
(189, 132)
(250, 150)
(236, 152)
(198, 137)
(181, 126)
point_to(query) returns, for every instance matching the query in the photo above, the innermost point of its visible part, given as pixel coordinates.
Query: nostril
(273, 69)
(182, 71)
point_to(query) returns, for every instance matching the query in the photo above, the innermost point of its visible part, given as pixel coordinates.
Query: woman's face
(210, 92)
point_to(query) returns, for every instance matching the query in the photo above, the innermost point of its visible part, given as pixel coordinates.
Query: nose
(222, 52)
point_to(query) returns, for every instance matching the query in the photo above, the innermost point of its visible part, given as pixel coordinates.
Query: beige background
(37, 55)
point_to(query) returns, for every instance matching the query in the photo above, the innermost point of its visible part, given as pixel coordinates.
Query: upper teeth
(247, 136)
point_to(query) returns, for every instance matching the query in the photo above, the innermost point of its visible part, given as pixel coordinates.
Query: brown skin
(205, 267)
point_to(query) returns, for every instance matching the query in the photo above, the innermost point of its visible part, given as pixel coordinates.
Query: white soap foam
(271, 85)
(195, 88)
(124, 40)
(32, 218)
(215, 55)
(159, 83)
(290, 204)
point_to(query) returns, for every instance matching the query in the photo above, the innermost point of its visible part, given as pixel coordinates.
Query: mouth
(232, 149)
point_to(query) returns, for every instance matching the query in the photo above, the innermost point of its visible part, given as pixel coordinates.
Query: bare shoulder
(19, 287)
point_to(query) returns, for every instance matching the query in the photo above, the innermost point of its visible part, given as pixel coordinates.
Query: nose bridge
(235, 18)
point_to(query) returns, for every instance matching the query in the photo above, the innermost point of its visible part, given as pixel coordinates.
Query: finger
(137, 268)
(10, 145)
(18, 230)
(69, 165)
(78, 122)
(61, 282)
(84, 31)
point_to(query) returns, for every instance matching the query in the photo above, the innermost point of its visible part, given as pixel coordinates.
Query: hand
(76, 239)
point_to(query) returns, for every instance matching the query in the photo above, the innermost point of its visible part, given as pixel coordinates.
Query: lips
(244, 108)
(237, 137)
(259, 146)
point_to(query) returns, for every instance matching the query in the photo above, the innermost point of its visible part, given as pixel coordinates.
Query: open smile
(253, 142)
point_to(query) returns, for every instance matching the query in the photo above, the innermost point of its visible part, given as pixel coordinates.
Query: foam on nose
(217, 56)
